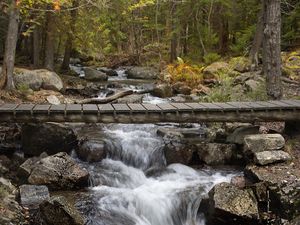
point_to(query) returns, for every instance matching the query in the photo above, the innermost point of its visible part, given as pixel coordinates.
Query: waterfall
(124, 193)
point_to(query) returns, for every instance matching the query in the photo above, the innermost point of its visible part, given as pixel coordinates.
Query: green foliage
(211, 58)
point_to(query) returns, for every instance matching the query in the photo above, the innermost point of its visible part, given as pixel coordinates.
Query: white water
(124, 195)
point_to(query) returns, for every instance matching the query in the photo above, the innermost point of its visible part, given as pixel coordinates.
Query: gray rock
(92, 150)
(251, 85)
(27, 78)
(48, 137)
(269, 157)
(145, 73)
(216, 68)
(215, 153)
(162, 91)
(25, 168)
(52, 99)
(31, 196)
(282, 185)
(131, 99)
(58, 211)
(11, 212)
(94, 75)
(37, 79)
(58, 172)
(231, 204)
(263, 142)
(238, 135)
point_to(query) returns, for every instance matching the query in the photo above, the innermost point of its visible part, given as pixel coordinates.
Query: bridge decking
(285, 110)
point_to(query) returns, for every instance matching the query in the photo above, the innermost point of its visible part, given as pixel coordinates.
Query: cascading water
(133, 185)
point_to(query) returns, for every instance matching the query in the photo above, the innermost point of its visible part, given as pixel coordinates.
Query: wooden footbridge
(286, 110)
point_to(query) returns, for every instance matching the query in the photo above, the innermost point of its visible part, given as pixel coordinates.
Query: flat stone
(263, 142)
(33, 195)
(269, 157)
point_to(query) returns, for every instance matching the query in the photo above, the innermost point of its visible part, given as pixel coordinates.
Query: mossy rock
(240, 64)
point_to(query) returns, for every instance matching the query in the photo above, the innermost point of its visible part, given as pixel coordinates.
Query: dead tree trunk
(10, 48)
(173, 47)
(272, 48)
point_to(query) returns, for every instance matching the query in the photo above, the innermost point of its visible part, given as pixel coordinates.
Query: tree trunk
(36, 48)
(50, 45)
(69, 42)
(257, 41)
(10, 48)
(173, 47)
(272, 48)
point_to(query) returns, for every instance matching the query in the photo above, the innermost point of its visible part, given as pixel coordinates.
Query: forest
(48, 33)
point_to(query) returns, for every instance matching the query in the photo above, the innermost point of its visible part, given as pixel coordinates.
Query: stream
(135, 186)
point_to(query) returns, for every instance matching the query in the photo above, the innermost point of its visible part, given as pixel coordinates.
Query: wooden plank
(137, 108)
(240, 105)
(295, 103)
(225, 106)
(106, 108)
(57, 108)
(121, 107)
(211, 107)
(282, 105)
(269, 105)
(74, 108)
(7, 107)
(25, 108)
(152, 107)
(41, 108)
(256, 106)
(182, 106)
(166, 107)
(90, 108)
(196, 106)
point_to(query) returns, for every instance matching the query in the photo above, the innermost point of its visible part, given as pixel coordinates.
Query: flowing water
(134, 186)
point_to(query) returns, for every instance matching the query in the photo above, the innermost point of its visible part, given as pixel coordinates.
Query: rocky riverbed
(151, 174)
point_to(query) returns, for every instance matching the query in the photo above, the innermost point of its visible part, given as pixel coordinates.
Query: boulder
(31, 196)
(48, 137)
(240, 64)
(238, 135)
(269, 157)
(216, 68)
(51, 81)
(10, 211)
(215, 153)
(25, 168)
(176, 150)
(92, 150)
(282, 182)
(27, 78)
(263, 142)
(37, 79)
(145, 73)
(58, 172)
(58, 211)
(231, 205)
(162, 91)
(94, 75)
